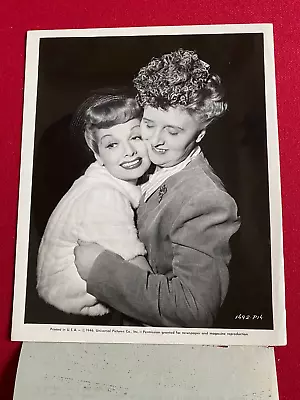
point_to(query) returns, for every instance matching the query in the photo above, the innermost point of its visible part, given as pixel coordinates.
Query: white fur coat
(98, 208)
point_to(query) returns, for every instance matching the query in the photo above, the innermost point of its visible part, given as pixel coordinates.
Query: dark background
(70, 68)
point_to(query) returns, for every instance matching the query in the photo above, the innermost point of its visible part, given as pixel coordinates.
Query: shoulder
(200, 175)
(197, 180)
(208, 199)
(106, 205)
(205, 210)
(104, 194)
(103, 184)
(201, 193)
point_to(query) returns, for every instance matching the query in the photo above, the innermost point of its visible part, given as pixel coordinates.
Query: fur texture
(98, 208)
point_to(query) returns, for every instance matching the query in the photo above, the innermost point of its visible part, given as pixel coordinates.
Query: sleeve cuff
(98, 274)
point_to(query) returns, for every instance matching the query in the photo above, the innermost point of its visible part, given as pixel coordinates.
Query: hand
(85, 255)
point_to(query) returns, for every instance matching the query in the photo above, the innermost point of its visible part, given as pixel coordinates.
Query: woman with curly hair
(185, 217)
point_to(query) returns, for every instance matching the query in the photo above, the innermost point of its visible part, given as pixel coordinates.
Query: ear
(98, 158)
(90, 142)
(200, 136)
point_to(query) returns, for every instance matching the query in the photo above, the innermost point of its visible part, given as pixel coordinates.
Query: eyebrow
(111, 136)
(135, 126)
(168, 125)
(108, 135)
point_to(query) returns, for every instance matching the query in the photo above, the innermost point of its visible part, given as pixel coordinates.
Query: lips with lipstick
(137, 162)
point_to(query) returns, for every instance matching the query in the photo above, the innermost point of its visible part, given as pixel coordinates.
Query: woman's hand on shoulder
(85, 256)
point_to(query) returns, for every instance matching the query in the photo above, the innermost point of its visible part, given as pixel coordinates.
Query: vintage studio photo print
(149, 203)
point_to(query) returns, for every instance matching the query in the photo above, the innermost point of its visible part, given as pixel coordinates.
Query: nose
(156, 138)
(129, 149)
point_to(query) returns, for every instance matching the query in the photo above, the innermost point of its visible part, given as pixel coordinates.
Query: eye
(148, 124)
(172, 131)
(111, 145)
(136, 137)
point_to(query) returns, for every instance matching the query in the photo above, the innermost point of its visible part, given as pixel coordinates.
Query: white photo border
(110, 334)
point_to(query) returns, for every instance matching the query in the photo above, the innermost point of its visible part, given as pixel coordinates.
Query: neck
(133, 182)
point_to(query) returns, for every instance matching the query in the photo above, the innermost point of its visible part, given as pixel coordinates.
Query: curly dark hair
(181, 79)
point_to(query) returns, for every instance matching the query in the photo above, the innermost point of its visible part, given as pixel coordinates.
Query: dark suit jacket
(186, 226)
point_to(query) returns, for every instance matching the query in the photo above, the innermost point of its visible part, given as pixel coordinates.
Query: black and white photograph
(149, 201)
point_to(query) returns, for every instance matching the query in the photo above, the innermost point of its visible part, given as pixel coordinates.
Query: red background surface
(19, 16)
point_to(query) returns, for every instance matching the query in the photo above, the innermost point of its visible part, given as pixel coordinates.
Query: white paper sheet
(64, 371)
(247, 321)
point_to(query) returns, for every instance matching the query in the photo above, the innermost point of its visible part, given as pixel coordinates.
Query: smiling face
(170, 135)
(122, 151)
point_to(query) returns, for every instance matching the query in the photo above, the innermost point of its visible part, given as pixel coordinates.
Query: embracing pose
(99, 206)
(185, 217)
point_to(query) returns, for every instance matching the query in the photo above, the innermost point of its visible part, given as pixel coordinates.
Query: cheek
(145, 132)
(109, 157)
(141, 147)
(177, 143)
(180, 143)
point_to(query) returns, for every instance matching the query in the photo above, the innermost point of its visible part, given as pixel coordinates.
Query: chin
(163, 163)
(133, 176)
(158, 159)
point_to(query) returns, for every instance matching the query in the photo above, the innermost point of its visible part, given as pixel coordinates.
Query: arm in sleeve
(193, 293)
